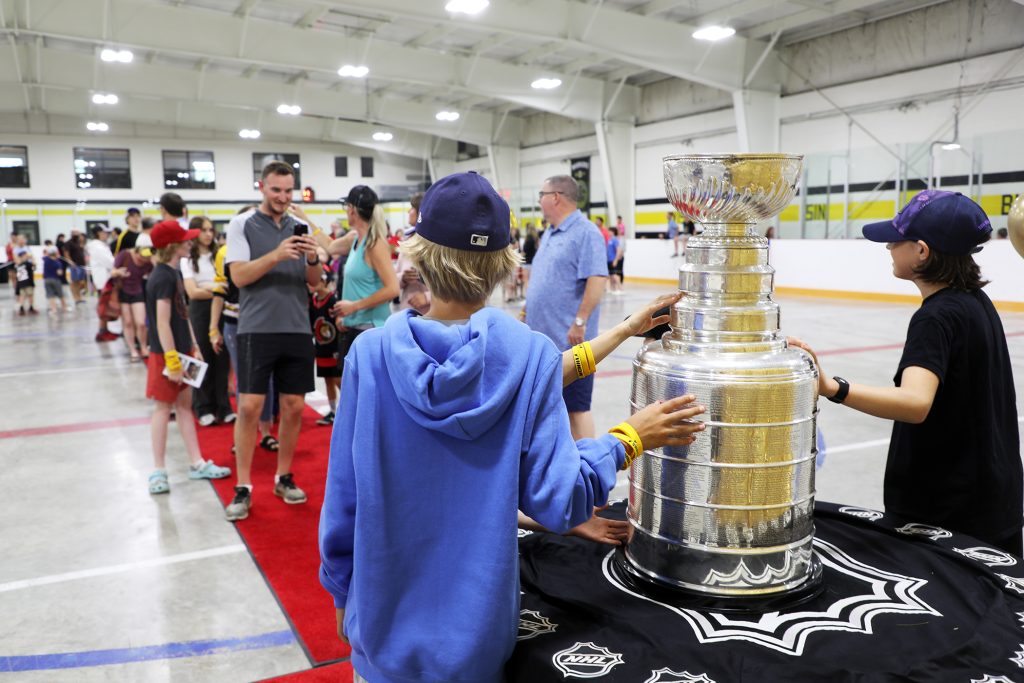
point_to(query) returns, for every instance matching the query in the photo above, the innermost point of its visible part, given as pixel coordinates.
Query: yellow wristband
(625, 433)
(583, 359)
(172, 361)
(317, 232)
(213, 332)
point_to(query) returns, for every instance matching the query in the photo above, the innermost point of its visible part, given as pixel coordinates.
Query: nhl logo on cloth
(932, 532)
(988, 556)
(861, 512)
(532, 624)
(586, 660)
(666, 675)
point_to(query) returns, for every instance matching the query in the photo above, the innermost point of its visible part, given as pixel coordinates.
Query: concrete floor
(92, 562)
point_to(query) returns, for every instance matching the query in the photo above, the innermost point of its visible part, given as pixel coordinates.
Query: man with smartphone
(272, 258)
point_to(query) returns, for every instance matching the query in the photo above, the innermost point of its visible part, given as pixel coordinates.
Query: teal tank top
(361, 281)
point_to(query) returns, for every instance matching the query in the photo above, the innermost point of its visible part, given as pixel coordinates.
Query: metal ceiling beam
(732, 11)
(657, 7)
(310, 18)
(283, 47)
(816, 12)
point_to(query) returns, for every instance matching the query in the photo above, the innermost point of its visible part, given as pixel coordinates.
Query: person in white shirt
(101, 262)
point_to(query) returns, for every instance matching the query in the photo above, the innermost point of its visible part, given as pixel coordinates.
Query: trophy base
(699, 598)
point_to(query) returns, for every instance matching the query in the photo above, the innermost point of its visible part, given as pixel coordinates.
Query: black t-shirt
(325, 333)
(961, 467)
(126, 241)
(165, 283)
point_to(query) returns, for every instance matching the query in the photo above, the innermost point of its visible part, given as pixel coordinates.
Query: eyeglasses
(540, 195)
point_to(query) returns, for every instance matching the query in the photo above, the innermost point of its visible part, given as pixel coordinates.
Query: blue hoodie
(442, 433)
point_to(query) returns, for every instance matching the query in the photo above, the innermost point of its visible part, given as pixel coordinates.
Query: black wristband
(844, 389)
(314, 263)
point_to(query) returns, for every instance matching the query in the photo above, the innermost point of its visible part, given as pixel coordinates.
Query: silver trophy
(732, 514)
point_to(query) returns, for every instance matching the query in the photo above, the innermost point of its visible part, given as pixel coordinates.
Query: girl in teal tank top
(370, 281)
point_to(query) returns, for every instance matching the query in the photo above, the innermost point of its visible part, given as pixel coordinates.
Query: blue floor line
(191, 648)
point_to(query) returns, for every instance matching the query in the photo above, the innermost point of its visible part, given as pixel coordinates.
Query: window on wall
(261, 159)
(189, 170)
(340, 167)
(13, 166)
(367, 166)
(97, 168)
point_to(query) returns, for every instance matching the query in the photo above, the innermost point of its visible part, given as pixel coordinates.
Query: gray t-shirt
(278, 302)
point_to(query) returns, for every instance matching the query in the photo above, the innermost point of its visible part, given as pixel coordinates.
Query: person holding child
(466, 402)
(171, 335)
(954, 456)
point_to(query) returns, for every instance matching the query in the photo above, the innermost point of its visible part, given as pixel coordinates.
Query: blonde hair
(459, 275)
(378, 227)
(165, 254)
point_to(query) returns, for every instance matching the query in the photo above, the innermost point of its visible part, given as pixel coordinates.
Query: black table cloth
(900, 601)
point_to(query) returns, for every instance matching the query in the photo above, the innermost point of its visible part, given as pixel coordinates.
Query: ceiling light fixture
(289, 109)
(249, 133)
(97, 126)
(713, 33)
(101, 98)
(349, 71)
(546, 83)
(466, 6)
(383, 137)
(122, 56)
(447, 116)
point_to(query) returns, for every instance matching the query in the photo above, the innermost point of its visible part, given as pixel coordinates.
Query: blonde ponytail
(378, 227)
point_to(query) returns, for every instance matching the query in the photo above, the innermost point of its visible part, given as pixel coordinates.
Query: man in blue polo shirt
(567, 280)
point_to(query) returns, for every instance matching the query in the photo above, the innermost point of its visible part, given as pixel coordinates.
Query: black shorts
(24, 286)
(126, 298)
(345, 339)
(324, 369)
(288, 358)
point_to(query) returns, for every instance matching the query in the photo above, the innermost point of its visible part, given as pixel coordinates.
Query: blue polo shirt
(568, 254)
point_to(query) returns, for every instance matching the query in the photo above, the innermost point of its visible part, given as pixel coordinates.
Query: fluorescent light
(289, 109)
(100, 98)
(713, 33)
(349, 71)
(447, 116)
(546, 83)
(250, 133)
(11, 162)
(466, 6)
(950, 146)
(383, 137)
(97, 126)
(122, 56)
(202, 165)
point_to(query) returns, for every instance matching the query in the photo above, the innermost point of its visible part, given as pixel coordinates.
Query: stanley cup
(732, 514)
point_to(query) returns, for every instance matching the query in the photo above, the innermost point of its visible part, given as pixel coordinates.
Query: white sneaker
(206, 420)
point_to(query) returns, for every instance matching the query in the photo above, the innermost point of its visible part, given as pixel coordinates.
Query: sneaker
(209, 470)
(326, 420)
(288, 491)
(206, 420)
(21, 311)
(239, 506)
(33, 311)
(229, 418)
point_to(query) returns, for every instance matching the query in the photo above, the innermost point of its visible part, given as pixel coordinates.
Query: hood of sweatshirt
(456, 379)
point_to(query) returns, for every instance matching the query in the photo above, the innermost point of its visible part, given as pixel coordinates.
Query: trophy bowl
(730, 516)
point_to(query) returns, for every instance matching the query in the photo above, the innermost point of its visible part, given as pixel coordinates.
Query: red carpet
(332, 673)
(283, 538)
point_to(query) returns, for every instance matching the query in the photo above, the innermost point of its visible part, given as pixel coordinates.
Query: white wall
(52, 175)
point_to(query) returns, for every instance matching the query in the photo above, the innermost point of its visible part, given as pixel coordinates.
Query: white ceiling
(223, 65)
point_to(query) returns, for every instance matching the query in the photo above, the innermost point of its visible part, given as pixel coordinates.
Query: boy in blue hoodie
(448, 424)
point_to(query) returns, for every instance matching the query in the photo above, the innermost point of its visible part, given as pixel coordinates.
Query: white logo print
(988, 556)
(1018, 657)
(1020, 618)
(989, 678)
(668, 676)
(532, 624)
(478, 240)
(585, 660)
(883, 592)
(1013, 583)
(863, 513)
(932, 532)
(523, 533)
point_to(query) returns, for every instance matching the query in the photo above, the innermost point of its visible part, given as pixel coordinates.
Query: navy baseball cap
(463, 211)
(133, 211)
(948, 222)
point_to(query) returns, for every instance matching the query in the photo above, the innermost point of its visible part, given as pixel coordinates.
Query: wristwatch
(844, 389)
(580, 322)
(313, 263)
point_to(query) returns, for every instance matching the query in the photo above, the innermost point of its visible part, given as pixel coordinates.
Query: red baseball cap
(170, 232)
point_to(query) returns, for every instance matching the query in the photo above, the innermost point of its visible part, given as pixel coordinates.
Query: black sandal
(269, 443)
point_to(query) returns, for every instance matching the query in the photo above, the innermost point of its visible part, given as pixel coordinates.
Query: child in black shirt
(325, 338)
(954, 457)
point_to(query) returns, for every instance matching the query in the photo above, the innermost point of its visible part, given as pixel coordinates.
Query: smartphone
(300, 229)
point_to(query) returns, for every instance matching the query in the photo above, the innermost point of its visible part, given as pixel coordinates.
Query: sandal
(269, 443)
(208, 470)
(158, 482)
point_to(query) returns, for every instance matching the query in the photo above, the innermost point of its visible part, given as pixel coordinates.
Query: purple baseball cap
(463, 211)
(948, 222)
